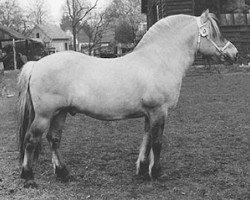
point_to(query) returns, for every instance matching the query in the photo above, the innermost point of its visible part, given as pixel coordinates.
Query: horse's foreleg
(32, 139)
(142, 163)
(54, 137)
(149, 157)
(156, 131)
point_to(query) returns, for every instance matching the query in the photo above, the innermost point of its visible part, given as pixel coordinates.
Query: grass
(205, 154)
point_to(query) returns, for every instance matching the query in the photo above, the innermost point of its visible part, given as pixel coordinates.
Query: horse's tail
(26, 109)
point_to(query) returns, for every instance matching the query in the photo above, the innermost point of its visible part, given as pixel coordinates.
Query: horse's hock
(2, 85)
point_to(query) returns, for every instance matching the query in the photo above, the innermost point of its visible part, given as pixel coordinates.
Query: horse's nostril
(237, 55)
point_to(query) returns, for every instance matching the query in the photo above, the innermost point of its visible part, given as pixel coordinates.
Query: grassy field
(205, 154)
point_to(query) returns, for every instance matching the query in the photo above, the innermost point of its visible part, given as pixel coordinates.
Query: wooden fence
(235, 19)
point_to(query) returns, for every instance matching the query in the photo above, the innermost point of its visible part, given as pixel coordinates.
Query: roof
(53, 31)
(8, 34)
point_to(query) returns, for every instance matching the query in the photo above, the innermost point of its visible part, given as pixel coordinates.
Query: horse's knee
(31, 141)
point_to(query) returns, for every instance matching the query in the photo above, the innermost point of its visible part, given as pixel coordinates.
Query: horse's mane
(168, 23)
(213, 25)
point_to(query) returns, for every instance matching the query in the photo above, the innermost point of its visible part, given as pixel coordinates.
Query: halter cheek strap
(204, 33)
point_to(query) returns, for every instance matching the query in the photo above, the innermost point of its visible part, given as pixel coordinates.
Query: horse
(142, 84)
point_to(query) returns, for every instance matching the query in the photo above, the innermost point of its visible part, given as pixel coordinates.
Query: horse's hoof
(143, 168)
(27, 174)
(155, 172)
(62, 174)
(142, 177)
(30, 184)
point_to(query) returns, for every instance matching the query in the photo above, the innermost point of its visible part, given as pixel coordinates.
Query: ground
(205, 153)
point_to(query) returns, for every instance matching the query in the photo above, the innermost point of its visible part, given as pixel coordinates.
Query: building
(53, 36)
(233, 15)
(14, 46)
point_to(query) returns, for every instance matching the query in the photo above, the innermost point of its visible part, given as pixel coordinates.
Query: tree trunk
(90, 49)
(2, 85)
(74, 38)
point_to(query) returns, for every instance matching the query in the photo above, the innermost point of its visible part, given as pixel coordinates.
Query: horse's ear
(204, 16)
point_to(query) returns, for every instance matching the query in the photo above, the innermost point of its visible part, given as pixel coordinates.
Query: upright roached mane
(144, 83)
(214, 26)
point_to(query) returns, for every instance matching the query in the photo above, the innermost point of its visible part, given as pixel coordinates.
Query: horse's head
(210, 41)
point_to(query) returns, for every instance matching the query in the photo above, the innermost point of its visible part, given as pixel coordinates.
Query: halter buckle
(204, 31)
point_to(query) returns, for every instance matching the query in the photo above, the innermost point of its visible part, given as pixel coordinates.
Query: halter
(204, 32)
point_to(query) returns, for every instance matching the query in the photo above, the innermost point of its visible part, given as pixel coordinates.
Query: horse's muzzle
(231, 58)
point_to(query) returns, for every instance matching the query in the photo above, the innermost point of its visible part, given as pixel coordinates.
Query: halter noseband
(204, 32)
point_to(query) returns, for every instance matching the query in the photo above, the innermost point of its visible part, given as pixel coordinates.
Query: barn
(233, 15)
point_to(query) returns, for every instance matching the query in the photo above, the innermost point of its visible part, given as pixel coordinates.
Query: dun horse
(144, 83)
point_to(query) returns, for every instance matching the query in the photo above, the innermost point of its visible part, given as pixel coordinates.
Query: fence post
(14, 52)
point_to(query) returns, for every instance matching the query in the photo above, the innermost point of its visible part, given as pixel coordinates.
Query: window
(37, 35)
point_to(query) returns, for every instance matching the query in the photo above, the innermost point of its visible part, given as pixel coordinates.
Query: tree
(97, 24)
(124, 33)
(127, 14)
(66, 23)
(76, 11)
(38, 12)
(11, 15)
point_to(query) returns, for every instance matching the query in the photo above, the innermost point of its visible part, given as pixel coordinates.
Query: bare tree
(11, 15)
(95, 27)
(77, 11)
(38, 12)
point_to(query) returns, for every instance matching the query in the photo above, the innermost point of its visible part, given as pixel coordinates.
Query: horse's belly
(113, 116)
(112, 108)
(99, 112)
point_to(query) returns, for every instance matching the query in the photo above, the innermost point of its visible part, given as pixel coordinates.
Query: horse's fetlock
(30, 146)
(156, 147)
(55, 143)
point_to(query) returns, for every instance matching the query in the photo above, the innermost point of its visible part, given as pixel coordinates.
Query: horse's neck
(177, 51)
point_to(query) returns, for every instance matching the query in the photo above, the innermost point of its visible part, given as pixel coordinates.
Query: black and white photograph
(125, 99)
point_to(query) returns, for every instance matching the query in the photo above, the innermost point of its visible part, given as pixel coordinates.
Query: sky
(55, 7)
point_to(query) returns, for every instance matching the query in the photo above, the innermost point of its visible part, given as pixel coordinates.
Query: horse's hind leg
(32, 139)
(54, 137)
